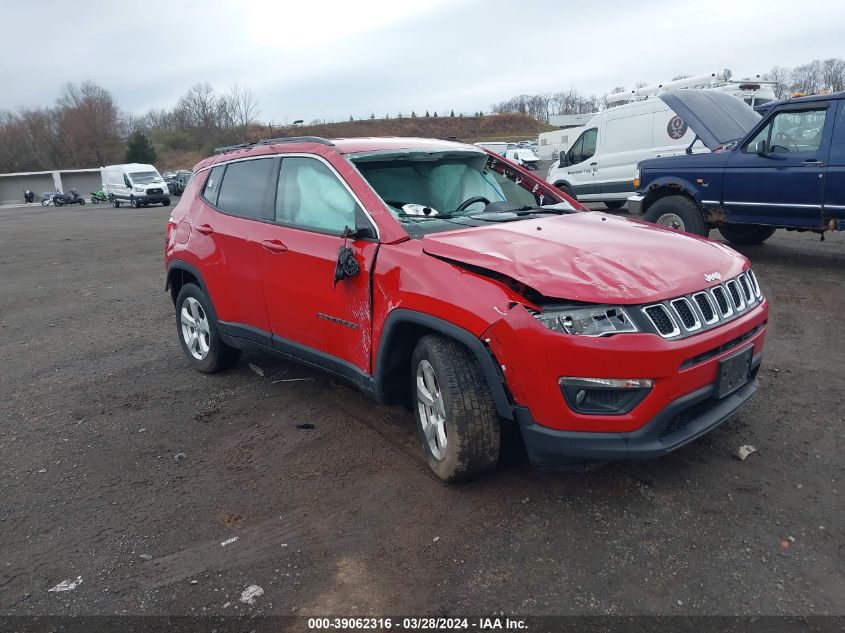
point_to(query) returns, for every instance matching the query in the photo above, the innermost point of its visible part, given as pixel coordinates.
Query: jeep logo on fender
(712, 276)
(676, 128)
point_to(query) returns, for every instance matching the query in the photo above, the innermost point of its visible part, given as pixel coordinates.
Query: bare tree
(833, 74)
(781, 77)
(807, 78)
(242, 107)
(90, 123)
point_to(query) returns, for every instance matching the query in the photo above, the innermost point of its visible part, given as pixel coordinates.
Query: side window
(126, 181)
(245, 186)
(212, 185)
(791, 132)
(311, 196)
(584, 147)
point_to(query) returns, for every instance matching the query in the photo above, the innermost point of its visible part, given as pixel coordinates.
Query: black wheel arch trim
(179, 265)
(479, 350)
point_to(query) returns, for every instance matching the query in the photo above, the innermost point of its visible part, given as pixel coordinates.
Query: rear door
(626, 141)
(225, 232)
(785, 185)
(312, 315)
(834, 191)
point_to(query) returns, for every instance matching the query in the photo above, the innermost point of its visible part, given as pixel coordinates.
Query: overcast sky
(329, 59)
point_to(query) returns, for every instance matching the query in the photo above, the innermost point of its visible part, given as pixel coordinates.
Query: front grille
(705, 306)
(154, 192)
(746, 288)
(722, 301)
(683, 309)
(662, 320)
(739, 304)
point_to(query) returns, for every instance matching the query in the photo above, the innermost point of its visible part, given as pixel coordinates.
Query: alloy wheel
(195, 329)
(432, 410)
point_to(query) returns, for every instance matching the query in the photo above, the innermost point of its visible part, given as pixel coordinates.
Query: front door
(777, 177)
(311, 314)
(581, 171)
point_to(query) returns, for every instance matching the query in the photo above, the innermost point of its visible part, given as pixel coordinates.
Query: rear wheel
(567, 190)
(457, 422)
(198, 333)
(679, 213)
(614, 204)
(746, 233)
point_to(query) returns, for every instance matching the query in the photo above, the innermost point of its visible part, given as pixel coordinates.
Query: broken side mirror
(347, 265)
(761, 147)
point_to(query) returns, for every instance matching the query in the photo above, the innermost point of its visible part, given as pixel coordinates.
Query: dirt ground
(122, 466)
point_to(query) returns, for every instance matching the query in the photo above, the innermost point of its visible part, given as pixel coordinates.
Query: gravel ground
(171, 492)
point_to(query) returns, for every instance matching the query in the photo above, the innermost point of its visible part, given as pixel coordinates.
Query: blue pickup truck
(785, 170)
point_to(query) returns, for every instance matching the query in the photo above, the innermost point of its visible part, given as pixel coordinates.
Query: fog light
(604, 396)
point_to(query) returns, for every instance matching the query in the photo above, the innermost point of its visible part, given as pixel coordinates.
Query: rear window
(245, 186)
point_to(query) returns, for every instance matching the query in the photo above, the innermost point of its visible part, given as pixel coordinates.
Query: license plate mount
(733, 372)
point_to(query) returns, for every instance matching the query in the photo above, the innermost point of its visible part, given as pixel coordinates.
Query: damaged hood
(716, 117)
(590, 257)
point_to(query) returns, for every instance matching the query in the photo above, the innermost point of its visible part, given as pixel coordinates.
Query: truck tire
(679, 213)
(456, 417)
(744, 234)
(566, 189)
(199, 337)
(614, 204)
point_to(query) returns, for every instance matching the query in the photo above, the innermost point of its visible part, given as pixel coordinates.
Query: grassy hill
(469, 129)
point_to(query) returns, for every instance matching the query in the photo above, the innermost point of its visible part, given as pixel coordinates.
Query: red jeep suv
(438, 275)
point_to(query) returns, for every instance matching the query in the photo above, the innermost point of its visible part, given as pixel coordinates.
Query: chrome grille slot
(722, 301)
(662, 320)
(746, 289)
(753, 279)
(736, 297)
(706, 307)
(686, 315)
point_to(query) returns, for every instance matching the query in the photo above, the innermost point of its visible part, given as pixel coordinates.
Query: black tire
(615, 204)
(471, 424)
(134, 203)
(95, 200)
(220, 356)
(166, 203)
(58, 202)
(744, 234)
(116, 203)
(687, 212)
(567, 190)
(81, 202)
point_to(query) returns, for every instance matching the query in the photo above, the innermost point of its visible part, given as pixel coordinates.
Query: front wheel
(166, 203)
(456, 417)
(198, 334)
(80, 202)
(567, 190)
(679, 213)
(744, 234)
(134, 203)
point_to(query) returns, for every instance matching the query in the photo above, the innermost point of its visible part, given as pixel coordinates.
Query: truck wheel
(166, 203)
(746, 233)
(198, 333)
(565, 189)
(679, 213)
(614, 204)
(134, 203)
(456, 418)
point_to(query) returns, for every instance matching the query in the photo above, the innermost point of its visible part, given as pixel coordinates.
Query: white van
(135, 184)
(494, 146)
(599, 166)
(523, 157)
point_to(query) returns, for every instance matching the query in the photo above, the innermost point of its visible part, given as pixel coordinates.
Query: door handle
(274, 246)
(812, 162)
(594, 163)
(205, 229)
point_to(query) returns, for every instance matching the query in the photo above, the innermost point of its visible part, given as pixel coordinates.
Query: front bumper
(682, 421)
(153, 199)
(635, 204)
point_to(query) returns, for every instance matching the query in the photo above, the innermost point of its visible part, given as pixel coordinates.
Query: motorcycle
(99, 196)
(71, 197)
(47, 197)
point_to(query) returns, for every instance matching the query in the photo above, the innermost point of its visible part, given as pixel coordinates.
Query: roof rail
(274, 141)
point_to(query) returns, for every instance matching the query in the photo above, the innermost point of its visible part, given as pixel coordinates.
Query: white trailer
(551, 144)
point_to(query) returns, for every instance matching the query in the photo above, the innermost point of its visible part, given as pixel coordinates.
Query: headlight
(139, 189)
(588, 320)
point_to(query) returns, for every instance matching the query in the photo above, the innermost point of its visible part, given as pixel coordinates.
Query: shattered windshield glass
(440, 190)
